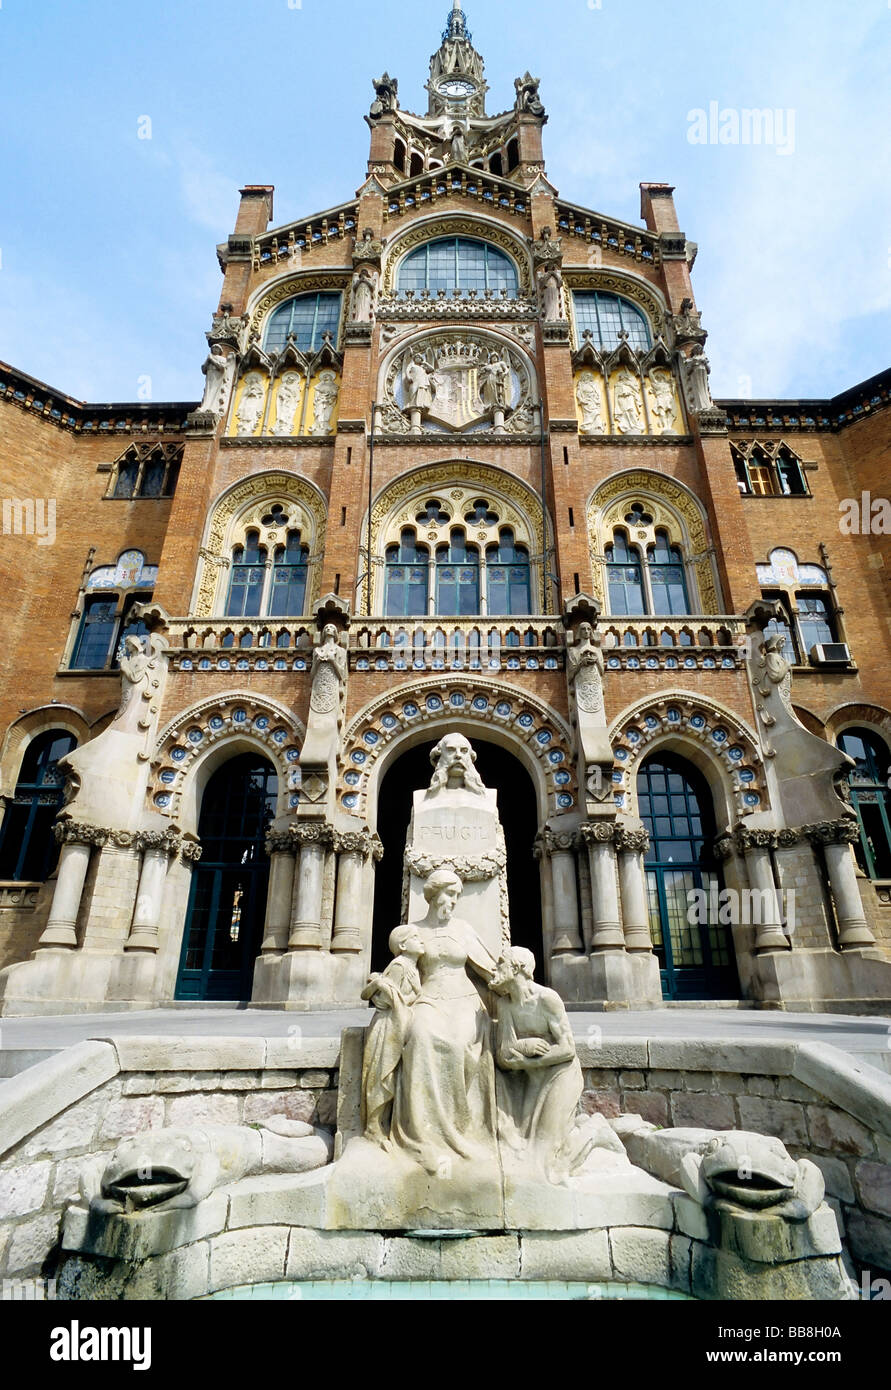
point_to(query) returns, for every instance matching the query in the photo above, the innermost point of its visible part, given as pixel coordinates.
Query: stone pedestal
(459, 828)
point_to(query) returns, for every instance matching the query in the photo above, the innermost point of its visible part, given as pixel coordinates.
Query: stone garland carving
(363, 842)
(159, 841)
(313, 833)
(660, 486)
(477, 869)
(67, 832)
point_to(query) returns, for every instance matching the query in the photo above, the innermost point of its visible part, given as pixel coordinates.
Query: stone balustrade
(695, 641)
(609, 235)
(299, 238)
(474, 644)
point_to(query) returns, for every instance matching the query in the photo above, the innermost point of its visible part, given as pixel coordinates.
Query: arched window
(106, 618)
(508, 587)
(28, 851)
(289, 573)
(768, 471)
(657, 587)
(407, 581)
(625, 579)
(457, 263)
(458, 578)
(695, 952)
(605, 316)
(146, 470)
(248, 578)
(871, 799)
(308, 317)
(667, 580)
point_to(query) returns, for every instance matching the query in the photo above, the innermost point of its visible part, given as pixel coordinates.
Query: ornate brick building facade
(457, 467)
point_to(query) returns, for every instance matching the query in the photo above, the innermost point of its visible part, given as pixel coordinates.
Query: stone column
(756, 846)
(561, 845)
(306, 918)
(836, 839)
(282, 850)
(547, 895)
(157, 847)
(632, 844)
(587, 914)
(77, 842)
(354, 847)
(607, 934)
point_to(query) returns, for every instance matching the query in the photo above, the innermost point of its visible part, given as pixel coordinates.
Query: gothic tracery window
(768, 470)
(652, 584)
(407, 578)
(146, 471)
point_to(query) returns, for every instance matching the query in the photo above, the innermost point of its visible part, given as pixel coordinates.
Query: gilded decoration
(479, 228)
(443, 702)
(672, 507)
(690, 718)
(246, 504)
(458, 380)
(225, 717)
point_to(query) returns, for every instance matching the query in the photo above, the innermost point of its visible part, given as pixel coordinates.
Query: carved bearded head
(453, 765)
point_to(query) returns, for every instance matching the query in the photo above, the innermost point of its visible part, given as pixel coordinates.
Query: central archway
(518, 810)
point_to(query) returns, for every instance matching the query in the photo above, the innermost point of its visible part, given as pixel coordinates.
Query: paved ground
(868, 1039)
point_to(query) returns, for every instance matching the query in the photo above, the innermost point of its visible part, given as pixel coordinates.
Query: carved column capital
(69, 832)
(160, 841)
(598, 832)
(632, 841)
(748, 839)
(315, 833)
(362, 842)
(281, 842)
(844, 831)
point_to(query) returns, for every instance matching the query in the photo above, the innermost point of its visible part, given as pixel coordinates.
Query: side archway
(719, 743)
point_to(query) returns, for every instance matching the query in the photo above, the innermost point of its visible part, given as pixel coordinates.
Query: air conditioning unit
(830, 654)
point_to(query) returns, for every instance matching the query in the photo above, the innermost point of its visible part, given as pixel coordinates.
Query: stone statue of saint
(626, 410)
(663, 397)
(364, 287)
(418, 388)
(585, 668)
(453, 761)
(286, 403)
(495, 383)
(219, 370)
(386, 91)
(528, 99)
(324, 400)
(539, 1082)
(587, 394)
(250, 407)
(328, 673)
(696, 375)
(458, 145)
(552, 295)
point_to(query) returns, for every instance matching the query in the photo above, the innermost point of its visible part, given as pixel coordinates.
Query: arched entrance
(227, 902)
(696, 958)
(517, 807)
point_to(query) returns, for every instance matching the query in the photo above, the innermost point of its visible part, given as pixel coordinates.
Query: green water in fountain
(455, 1290)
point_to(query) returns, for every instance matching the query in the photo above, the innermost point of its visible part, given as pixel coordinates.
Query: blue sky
(109, 271)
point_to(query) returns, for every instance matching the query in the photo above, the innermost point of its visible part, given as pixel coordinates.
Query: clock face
(456, 87)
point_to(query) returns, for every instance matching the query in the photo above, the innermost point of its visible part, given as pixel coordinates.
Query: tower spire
(457, 25)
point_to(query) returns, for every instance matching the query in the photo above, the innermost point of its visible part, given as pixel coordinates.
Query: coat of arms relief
(458, 383)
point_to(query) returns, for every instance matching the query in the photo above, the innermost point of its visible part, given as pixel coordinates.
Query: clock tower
(457, 86)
